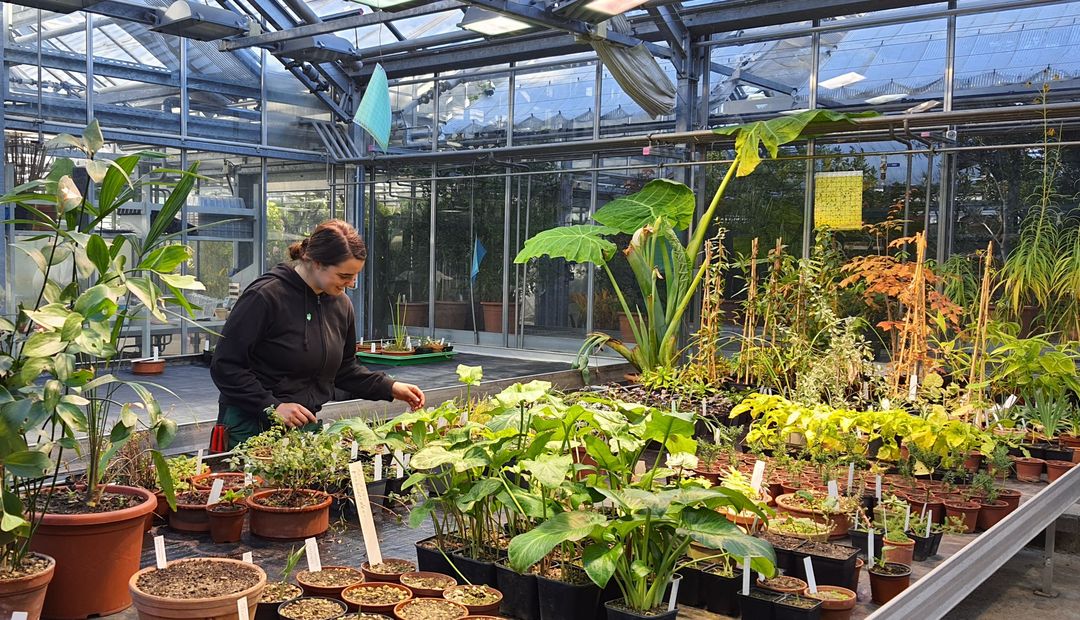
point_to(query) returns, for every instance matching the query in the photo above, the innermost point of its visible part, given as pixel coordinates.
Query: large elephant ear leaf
(583, 243)
(775, 132)
(712, 530)
(529, 548)
(660, 198)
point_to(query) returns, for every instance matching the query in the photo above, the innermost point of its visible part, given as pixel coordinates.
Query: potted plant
(796, 607)
(399, 344)
(888, 579)
(376, 596)
(328, 582)
(190, 514)
(427, 608)
(837, 603)
(719, 588)
(71, 335)
(278, 592)
(426, 583)
(478, 599)
(389, 570)
(197, 588)
(311, 608)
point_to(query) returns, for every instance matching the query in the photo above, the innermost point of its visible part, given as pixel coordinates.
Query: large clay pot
(839, 521)
(968, 511)
(990, 513)
(884, 588)
(900, 552)
(152, 607)
(226, 526)
(26, 593)
(1010, 497)
(451, 314)
(832, 609)
(493, 316)
(1056, 469)
(626, 333)
(1029, 469)
(191, 518)
(95, 556)
(289, 523)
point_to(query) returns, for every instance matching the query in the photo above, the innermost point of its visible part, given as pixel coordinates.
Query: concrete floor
(1009, 594)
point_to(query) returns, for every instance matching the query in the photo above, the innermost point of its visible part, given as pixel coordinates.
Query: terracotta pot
(884, 588)
(487, 608)
(832, 609)
(289, 523)
(1029, 469)
(426, 592)
(493, 316)
(839, 522)
(973, 461)
(794, 589)
(1010, 497)
(1070, 441)
(95, 556)
(312, 589)
(1075, 453)
(626, 333)
(415, 314)
(933, 506)
(26, 593)
(148, 366)
(370, 575)
(233, 480)
(189, 518)
(152, 607)
(990, 512)
(451, 314)
(226, 526)
(349, 596)
(901, 552)
(401, 609)
(969, 511)
(1056, 469)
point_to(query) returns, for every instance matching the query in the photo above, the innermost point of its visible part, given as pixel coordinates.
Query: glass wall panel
(555, 104)
(884, 68)
(399, 243)
(1006, 57)
(224, 93)
(289, 110)
(297, 200)
(758, 80)
(149, 104)
(413, 109)
(473, 112)
(60, 80)
(620, 115)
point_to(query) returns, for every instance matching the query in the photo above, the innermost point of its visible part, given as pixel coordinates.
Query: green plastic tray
(404, 360)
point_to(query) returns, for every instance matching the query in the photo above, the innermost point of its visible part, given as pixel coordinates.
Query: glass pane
(757, 80)
(289, 108)
(413, 110)
(399, 244)
(620, 115)
(297, 200)
(473, 113)
(554, 105)
(223, 93)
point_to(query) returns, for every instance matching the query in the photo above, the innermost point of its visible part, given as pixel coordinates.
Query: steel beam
(336, 25)
(744, 14)
(674, 32)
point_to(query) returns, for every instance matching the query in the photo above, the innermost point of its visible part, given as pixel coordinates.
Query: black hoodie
(283, 343)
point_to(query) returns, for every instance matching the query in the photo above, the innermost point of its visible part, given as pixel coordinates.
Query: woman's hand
(410, 394)
(294, 415)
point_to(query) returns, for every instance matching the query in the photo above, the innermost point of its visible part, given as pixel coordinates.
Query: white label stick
(877, 487)
(870, 546)
(746, 576)
(198, 462)
(215, 491)
(311, 549)
(928, 522)
(159, 552)
(378, 467)
(907, 518)
(674, 593)
(354, 451)
(248, 479)
(242, 608)
(399, 464)
(363, 509)
(810, 580)
(19, 615)
(850, 477)
(757, 476)
(834, 492)
(247, 557)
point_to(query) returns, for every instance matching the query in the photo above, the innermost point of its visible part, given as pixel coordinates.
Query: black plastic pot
(788, 559)
(608, 593)
(1034, 451)
(759, 604)
(618, 613)
(786, 611)
(835, 571)
(429, 559)
(520, 597)
(935, 542)
(1054, 452)
(560, 600)
(476, 572)
(860, 542)
(690, 587)
(719, 594)
(922, 547)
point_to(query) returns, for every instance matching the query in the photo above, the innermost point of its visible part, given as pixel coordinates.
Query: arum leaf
(660, 198)
(583, 243)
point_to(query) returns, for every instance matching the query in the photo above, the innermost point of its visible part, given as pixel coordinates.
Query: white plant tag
(399, 464)
(464, 419)
(378, 467)
(907, 518)
(247, 557)
(639, 469)
(206, 346)
(810, 579)
(758, 475)
(885, 404)
(407, 460)
(354, 451)
(870, 546)
(363, 509)
(716, 436)
(928, 522)
(241, 608)
(311, 549)
(441, 423)
(198, 462)
(850, 478)
(834, 492)
(877, 487)
(1010, 401)
(215, 491)
(674, 592)
(248, 479)
(373, 347)
(746, 576)
(913, 387)
(19, 615)
(159, 552)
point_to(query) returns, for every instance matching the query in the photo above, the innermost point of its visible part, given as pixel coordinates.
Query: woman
(291, 339)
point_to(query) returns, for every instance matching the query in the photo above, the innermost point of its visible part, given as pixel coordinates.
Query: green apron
(244, 425)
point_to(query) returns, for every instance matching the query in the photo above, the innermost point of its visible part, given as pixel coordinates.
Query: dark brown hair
(331, 243)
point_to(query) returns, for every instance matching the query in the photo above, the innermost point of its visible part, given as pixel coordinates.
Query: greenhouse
(540, 309)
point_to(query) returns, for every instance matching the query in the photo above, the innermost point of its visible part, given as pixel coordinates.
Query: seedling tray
(404, 360)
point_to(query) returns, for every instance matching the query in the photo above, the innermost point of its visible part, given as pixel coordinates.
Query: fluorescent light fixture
(795, 111)
(490, 23)
(193, 20)
(58, 6)
(880, 99)
(842, 80)
(318, 49)
(593, 11)
(391, 5)
(613, 7)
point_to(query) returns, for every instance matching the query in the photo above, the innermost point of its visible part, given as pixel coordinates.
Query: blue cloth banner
(478, 255)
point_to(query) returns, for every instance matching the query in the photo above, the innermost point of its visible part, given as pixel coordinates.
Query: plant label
(639, 469)
(870, 546)
(675, 580)
(810, 579)
(885, 404)
(877, 487)
(928, 522)
(247, 557)
(913, 387)
(758, 476)
(373, 347)
(215, 491)
(1010, 401)
(850, 478)
(907, 518)
(242, 608)
(399, 464)
(746, 576)
(248, 479)
(441, 423)
(159, 552)
(206, 346)
(834, 492)
(363, 509)
(715, 434)
(464, 420)
(378, 467)
(311, 550)
(19, 615)
(406, 460)
(198, 462)
(354, 451)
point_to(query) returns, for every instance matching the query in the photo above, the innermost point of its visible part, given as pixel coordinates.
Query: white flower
(681, 460)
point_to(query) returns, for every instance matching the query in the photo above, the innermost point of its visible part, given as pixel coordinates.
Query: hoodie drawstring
(307, 320)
